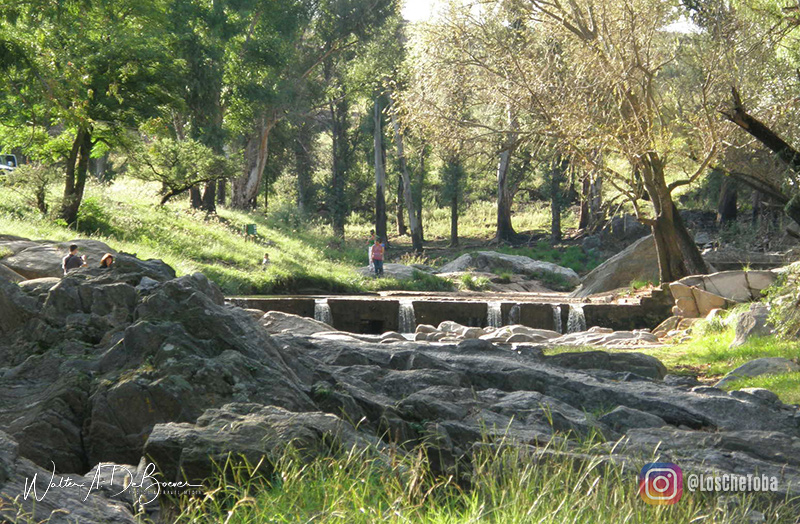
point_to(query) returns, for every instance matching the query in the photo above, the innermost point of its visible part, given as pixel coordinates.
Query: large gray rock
(398, 271)
(638, 363)
(15, 307)
(697, 295)
(623, 418)
(490, 261)
(638, 261)
(250, 431)
(9, 274)
(44, 258)
(758, 367)
(753, 322)
(279, 322)
(58, 505)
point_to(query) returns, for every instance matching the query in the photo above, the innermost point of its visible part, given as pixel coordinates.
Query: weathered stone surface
(490, 260)
(9, 274)
(636, 262)
(252, 431)
(752, 323)
(623, 418)
(697, 295)
(44, 258)
(278, 322)
(758, 367)
(638, 363)
(58, 505)
(398, 271)
(15, 307)
(39, 286)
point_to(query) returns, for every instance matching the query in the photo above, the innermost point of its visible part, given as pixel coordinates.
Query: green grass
(472, 283)
(786, 386)
(572, 257)
(504, 483)
(709, 356)
(305, 256)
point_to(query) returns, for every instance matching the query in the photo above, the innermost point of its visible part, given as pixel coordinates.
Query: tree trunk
(221, 192)
(195, 197)
(340, 155)
(583, 212)
(245, 187)
(556, 177)
(413, 217)
(418, 186)
(454, 220)
(380, 171)
(77, 167)
(210, 197)
(401, 220)
(726, 206)
(677, 253)
(505, 229)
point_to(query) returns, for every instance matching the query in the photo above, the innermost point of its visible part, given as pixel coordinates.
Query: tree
(178, 165)
(84, 71)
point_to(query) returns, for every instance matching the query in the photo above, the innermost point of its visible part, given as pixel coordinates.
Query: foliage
(34, 181)
(784, 301)
(472, 283)
(178, 165)
(501, 481)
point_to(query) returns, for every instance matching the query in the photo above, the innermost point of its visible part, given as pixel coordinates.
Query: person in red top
(377, 257)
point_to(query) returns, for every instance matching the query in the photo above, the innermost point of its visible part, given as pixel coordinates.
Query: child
(265, 261)
(369, 251)
(377, 257)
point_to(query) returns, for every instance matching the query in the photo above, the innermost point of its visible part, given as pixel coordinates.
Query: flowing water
(406, 321)
(514, 315)
(494, 315)
(322, 311)
(557, 319)
(576, 321)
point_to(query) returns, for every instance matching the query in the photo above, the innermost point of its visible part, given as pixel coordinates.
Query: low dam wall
(378, 314)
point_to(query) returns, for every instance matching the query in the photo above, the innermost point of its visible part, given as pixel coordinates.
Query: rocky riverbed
(112, 366)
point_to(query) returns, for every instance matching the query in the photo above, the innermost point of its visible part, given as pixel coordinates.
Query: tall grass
(501, 483)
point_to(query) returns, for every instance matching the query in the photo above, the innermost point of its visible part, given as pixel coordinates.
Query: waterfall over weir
(406, 321)
(557, 319)
(322, 311)
(494, 314)
(514, 315)
(576, 321)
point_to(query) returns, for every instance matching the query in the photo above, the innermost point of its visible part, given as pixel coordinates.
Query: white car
(8, 162)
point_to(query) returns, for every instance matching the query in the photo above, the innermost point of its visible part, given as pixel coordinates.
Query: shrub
(94, 218)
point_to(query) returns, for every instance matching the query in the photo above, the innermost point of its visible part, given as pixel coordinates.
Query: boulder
(56, 505)
(15, 307)
(250, 431)
(9, 274)
(44, 258)
(398, 271)
(39, 286)
(638, 363)
(490, 261)
(638, 261)
(697, 295)
(623, 418)
(752, 323)
(279, 322)
(758, 367)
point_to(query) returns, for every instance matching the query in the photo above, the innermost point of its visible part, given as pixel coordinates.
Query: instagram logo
(661, 483)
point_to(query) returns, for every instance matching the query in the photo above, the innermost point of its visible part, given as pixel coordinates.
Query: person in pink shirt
(377, 257)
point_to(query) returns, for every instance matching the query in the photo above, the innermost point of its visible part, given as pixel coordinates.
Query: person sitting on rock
(73, 260)
(107, 261)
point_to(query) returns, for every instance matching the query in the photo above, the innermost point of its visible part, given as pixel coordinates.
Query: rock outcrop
(111, 366)
(490, 261)
(697, 295)
(638, 261)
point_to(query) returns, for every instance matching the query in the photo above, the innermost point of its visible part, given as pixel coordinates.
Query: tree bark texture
(77, 167)
(380, 171)
(413, 217)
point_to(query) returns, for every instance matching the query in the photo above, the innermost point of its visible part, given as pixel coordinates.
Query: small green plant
(410, 259)
(473, 283)
(94, 218)
(504, 276)
(636, 285)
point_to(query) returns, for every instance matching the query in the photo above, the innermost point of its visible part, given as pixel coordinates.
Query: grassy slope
(304, 256)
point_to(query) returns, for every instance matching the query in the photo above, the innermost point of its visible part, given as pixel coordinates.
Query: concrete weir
(374, 314)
